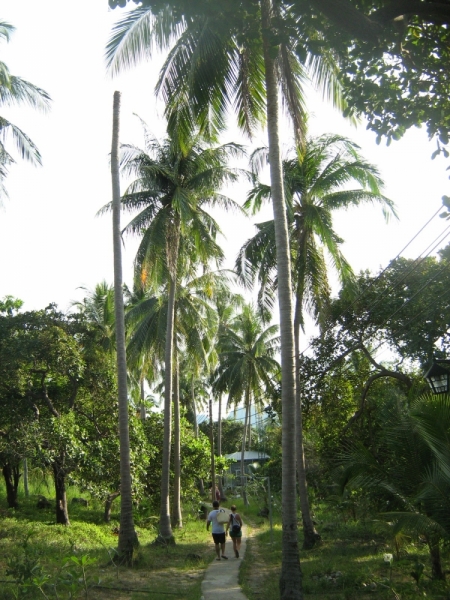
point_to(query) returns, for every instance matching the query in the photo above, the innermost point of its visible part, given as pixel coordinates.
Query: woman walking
(234, 525)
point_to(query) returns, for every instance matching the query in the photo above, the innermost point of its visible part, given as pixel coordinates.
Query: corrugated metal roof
(248, 455)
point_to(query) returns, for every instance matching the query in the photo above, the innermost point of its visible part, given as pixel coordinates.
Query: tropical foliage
(15, 90)
(409, 466)
(174, 182)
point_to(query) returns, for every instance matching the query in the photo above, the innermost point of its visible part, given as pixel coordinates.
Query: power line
(404, 327)
(393, 286)
(415, 264)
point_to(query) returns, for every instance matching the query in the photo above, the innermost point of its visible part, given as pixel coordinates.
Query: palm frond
(24, 145)
(136, 36)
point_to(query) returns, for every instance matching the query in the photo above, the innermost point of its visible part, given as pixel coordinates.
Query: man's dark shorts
(219, 538)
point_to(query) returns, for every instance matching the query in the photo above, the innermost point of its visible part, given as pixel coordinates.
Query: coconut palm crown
(317, 178)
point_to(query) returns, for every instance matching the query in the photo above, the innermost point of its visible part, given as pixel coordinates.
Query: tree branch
(382, 372)
(417, 8)
(343, 14)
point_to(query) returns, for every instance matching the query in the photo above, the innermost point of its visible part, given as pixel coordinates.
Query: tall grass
(355, 559)
(41, 559)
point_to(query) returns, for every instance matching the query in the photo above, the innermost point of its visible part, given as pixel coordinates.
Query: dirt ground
(141, 582)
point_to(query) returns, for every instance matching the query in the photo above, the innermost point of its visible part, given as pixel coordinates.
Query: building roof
(248, 455)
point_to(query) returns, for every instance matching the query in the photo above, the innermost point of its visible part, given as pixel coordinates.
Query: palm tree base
(164, 541)
(125, 554)
(310, 540)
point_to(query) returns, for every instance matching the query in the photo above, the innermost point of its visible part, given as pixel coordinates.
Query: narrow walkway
(221, 577)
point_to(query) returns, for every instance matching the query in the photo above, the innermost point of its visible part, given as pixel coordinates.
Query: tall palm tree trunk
(201, 484)
(211, 442)
(219, 443)
(164, 522)
(177, 516)
(310, 535)
(142, 407)
(291, 577)
(249, 428)
(127, 534)
(244, 439)
(172, 248)
(194, 408)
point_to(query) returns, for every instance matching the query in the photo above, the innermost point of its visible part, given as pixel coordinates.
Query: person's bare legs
(217, 546)
(222, 546)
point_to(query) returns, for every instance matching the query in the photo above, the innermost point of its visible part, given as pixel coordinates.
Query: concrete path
(221, 577)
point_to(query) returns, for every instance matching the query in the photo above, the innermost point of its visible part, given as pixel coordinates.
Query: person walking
(217, 494)
(235, 526)
(218, 531)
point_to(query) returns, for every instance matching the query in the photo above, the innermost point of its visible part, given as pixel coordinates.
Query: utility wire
(415, 264)
(395, 284)
(404, 327)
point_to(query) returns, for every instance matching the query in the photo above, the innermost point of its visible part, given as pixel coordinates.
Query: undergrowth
(39, 559)
(355, 559)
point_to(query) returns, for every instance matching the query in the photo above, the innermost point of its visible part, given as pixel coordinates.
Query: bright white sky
(51, 242)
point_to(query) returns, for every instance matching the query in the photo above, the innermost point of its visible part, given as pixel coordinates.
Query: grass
(79, 561)
(41, 559)
(348, 564)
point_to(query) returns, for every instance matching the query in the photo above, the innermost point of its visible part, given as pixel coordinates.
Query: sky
(51, 241)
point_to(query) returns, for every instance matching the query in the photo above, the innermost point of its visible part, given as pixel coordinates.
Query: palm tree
(15, 90)
(195, 325)
(236, 55)
(98, 307)
(174, 182)
(316, 181)
(226, 304)
(247, 366)
(127, 535)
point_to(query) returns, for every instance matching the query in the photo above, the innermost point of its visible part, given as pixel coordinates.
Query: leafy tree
(392, 60)
(195, 453)
(45, 367)
(59, 406)
(15, 90)
(232, 433)
(53, 370)
(403, 307)
(98, 468)
(9, 305)
(19, 429)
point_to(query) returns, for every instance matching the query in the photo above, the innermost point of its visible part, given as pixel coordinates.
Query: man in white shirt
(218, 531)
